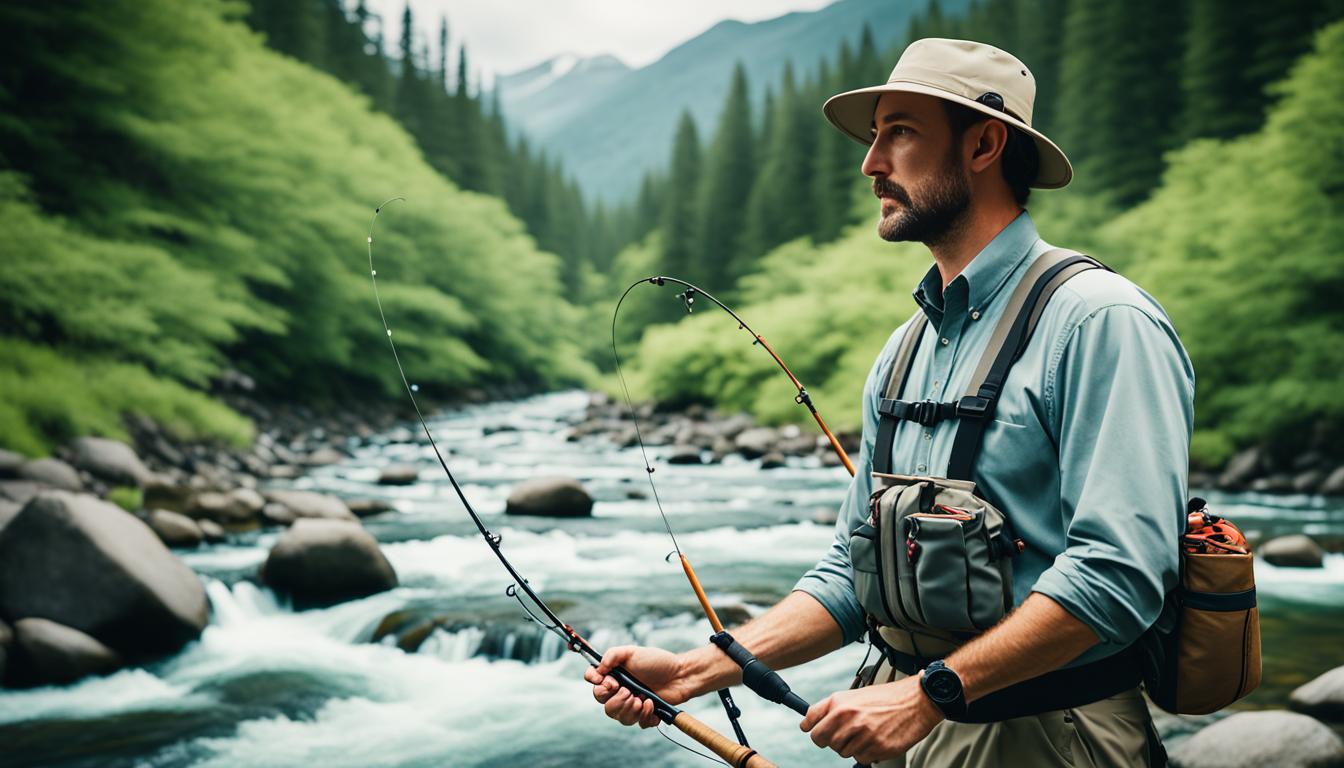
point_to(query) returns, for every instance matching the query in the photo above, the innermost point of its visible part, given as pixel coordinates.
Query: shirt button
(921, 468)
(928, 435)
(945, 341)
(975, 314)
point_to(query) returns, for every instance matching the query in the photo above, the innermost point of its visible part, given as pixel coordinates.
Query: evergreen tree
(1213, 71)
(680, 203)
(780, 207)
(730, 168)
(1040, 27)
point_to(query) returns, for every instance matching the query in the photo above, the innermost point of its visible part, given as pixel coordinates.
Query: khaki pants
(1111, 733)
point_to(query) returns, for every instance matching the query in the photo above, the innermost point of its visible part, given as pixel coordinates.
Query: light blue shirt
(1087, 453)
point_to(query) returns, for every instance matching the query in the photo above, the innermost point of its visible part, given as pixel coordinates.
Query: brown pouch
(1204, 653)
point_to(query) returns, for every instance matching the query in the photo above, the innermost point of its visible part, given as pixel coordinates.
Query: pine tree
(1213, 85)
(730, 168)
(1040, 27)
(680, 203)
(780, 207)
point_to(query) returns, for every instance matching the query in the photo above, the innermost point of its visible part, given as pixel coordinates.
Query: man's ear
(990, 137)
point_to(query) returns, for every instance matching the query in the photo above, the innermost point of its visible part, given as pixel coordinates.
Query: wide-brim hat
(974, 75)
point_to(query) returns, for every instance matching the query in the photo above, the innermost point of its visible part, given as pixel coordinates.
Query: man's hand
(661, 670)
(874, 723)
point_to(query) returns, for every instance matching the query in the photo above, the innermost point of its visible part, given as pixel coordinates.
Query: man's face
(916, 169)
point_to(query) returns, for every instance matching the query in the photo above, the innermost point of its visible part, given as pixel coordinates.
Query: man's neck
(955, 252)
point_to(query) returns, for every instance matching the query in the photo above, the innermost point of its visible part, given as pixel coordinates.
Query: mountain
(609, 124)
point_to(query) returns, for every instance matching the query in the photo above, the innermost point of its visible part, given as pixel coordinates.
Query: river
(269, 686)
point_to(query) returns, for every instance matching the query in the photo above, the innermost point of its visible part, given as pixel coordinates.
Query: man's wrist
(707, 669)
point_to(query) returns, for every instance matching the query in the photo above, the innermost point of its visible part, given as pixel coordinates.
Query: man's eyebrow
(893, 117)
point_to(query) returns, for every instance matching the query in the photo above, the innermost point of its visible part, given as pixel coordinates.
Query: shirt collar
(983, 278)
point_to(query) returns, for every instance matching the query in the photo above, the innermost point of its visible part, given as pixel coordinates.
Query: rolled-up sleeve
(1122, 398)
(831, 580)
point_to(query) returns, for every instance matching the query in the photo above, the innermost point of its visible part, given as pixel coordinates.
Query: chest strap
(975, 409)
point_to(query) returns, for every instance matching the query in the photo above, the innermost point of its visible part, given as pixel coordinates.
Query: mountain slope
(610, 128)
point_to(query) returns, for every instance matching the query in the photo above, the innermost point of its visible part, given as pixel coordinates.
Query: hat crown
(968, 69)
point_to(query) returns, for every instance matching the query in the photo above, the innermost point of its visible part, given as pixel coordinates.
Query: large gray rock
(8, 511)
(10, 463)
(1322, 698)
(48, 653)
(223, 508)
(1255, 739)
(163, 493)
(773, 460)
(684, 454)
(1295, 551)
(88, 564)
(756, 442)
(549, 497)
(174, 529)
(399, 474)
(111, 460)
(1242, 468)
(309, 504)
(52, 472)
(319, 562)
(1334, 483)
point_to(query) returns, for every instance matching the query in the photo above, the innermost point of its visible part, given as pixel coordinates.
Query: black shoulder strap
(976, 408)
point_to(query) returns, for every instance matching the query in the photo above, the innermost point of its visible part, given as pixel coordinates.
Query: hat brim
(852, 113)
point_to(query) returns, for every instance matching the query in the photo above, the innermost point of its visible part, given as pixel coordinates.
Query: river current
(269, 686)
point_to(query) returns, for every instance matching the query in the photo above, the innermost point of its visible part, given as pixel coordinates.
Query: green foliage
(1242, 245)
(177, 211)
(126, 497)
(47, 398)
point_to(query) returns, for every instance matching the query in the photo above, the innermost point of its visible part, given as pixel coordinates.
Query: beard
(938, 213)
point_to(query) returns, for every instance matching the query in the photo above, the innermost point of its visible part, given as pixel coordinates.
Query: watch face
(943, 684)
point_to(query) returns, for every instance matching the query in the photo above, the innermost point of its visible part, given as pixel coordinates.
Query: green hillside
(171, 216)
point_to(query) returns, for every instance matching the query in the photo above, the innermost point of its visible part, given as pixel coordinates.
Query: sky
(505, 37)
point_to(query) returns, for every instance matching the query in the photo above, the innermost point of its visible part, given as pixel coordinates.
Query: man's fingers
(592, 676)
(815, 713)
(613, 705)
(648, 719)
(630, 710)
(614, 657)
(823, 733)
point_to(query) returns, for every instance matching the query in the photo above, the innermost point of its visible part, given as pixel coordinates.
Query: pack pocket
(937, 552)
(867, 584)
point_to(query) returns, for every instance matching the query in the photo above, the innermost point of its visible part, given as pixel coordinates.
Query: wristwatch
(943, 688)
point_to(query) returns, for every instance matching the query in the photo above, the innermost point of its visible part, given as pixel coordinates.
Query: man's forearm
(796, 630)
(1036, 638)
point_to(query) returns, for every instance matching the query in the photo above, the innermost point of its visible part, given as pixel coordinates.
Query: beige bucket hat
(972, 74)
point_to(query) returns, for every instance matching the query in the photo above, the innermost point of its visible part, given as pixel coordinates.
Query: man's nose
(875, 163)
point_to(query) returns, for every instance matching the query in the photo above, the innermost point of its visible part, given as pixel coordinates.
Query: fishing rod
(756, 675)
(737, 755)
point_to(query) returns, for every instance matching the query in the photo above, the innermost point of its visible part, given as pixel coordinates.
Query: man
(1086, 454)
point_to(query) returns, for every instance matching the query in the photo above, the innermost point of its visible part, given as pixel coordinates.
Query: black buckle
(973, 407)
(925, 412)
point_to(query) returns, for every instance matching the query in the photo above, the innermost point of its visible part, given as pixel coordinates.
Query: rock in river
(174, 529)
(48, 653)
(399, 474)
(89, 565)
(549, 497)
(53, 472)
(311, 504)
(319, 562)
(1322, 698)
(112, 460)
(1295, 551)
(1255, 739)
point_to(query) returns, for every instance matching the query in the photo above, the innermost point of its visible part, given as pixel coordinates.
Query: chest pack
(933, 562)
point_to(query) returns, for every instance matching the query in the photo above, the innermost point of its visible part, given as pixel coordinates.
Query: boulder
(48, 653)
(1242, 468)
(162, 493)
(1322, 698)
(275, 513)
(733, 614)
(223, 508)
(549, 497)
(1334, 483)
(324, 456)
(319, 562)
(1295, 551)
(6, 640)
(369, 507)
(10, 463)
(310, 504)
(755, 442)
(212, 531)
(52, 472)
(20, 491)
(1271, 737)
(773, 460)
(684, 454)
(89, 565)
(399, 474)
(110, 460)
(175, 530)
(1308, 481)
(8, 511)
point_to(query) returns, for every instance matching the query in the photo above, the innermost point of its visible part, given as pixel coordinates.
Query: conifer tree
(730, 168)
(680, 204)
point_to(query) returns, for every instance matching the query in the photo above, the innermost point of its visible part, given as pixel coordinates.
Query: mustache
(884, 187)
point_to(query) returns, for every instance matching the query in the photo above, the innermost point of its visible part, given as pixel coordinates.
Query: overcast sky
(504, 37)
